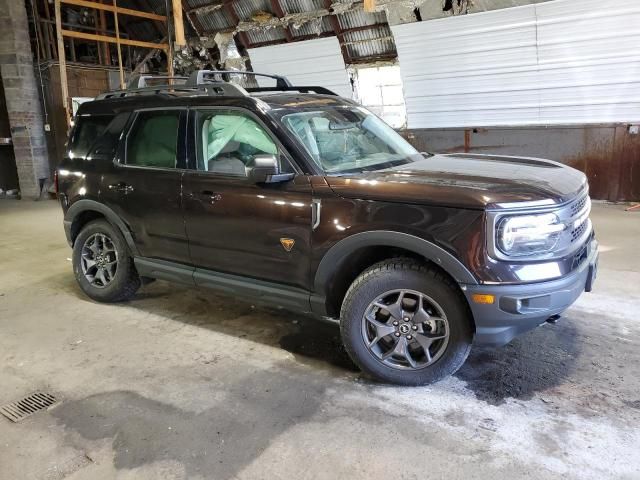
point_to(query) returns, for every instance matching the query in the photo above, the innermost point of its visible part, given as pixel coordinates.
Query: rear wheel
(102, 264)
(406, 323)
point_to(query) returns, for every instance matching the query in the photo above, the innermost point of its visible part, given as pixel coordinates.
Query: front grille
(576, 217)
(578, 205)
(577, 233)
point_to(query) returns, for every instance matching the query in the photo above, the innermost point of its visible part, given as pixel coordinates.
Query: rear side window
(153, 139)
(88, 129)
(106, 146)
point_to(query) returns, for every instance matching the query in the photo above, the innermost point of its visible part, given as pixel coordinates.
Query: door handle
(210, 195)
(121, 187)
(213, 196)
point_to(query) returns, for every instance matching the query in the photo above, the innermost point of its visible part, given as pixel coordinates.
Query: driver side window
(229, 141)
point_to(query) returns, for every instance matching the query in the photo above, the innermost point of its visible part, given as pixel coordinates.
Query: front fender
(337, 254)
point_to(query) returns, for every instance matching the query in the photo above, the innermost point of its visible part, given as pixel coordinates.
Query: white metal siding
(560, 62)
(311, 63)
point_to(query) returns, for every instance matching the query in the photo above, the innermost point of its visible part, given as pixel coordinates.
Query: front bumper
(519, 308)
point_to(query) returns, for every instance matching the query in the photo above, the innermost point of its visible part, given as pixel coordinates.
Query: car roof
(271, 100)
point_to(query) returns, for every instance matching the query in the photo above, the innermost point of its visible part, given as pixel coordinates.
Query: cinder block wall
(22, 98)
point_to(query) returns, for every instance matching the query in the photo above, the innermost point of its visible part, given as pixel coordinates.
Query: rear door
(234, 225)
(147, 183)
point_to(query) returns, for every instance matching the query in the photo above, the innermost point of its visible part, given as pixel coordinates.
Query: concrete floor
(181, 383)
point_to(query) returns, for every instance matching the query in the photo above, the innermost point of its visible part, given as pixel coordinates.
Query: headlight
(524, 235)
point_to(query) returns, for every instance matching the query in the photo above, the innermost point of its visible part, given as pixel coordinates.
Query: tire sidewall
(112, 291)
(375, 284)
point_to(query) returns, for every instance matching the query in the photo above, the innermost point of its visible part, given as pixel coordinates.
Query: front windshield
(347, 139)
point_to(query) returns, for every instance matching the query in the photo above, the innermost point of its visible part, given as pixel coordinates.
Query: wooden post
(178, 23)
(106, 52)
(63, 63)
(115, 13)
(50, 35)
(369, 5)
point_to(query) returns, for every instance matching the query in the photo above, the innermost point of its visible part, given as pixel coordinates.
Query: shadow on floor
(217, 442)
(534, 362)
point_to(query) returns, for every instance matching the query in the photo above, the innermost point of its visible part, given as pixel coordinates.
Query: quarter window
(88, 130)
(228, 143)
(153, 140)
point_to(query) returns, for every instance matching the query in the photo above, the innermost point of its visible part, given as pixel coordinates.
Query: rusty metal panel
(608, 154)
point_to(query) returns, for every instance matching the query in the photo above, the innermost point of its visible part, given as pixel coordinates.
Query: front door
(235, 226)
(148, 179)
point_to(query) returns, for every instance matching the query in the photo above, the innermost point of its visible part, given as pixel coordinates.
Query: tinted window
(107, 144)
(228, 142)
(88, 129)
(153, 140)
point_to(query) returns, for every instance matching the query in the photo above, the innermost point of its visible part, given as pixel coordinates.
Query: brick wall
(22, 98)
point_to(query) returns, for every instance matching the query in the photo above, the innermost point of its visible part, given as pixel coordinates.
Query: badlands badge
(287, 243)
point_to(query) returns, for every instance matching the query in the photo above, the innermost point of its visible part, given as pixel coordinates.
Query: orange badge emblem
(287, 243)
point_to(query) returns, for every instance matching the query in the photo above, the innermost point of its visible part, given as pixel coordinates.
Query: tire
(446, 333)
(117, 284)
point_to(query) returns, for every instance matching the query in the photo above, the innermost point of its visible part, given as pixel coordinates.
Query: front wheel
(406, 323)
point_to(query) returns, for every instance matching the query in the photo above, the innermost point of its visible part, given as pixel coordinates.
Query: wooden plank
(369, 5)
(106, 51)
(105, 38)
(123, 85)
(178, 23)
(64, 85)
(114, 9)
(147, 57)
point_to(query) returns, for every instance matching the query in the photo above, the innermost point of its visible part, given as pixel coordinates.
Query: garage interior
(185, 383)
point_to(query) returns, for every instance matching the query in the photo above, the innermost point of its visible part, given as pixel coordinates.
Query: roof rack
(201, 77)
(205, 81)
(142, 81)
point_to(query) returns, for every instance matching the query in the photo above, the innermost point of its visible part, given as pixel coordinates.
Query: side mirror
(266, 169)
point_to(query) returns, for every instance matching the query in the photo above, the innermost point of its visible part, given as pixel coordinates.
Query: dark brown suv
(295, 197)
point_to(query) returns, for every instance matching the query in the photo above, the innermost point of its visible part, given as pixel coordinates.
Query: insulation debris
(230, 58)
(457, 7)
(262, 20)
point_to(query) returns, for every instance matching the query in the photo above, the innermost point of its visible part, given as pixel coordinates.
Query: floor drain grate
(21, 409)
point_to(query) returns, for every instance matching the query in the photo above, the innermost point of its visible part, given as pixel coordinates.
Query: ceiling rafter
(335, 24)
(277, 9)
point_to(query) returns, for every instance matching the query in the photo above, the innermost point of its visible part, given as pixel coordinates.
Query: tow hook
(553, 319)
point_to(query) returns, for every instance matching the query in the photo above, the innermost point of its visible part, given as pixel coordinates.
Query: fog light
(483, 298)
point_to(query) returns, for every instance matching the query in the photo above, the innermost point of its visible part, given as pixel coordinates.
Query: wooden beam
(178, 23)
(335, 25)
(64, 85)
(123, 85)
(147, 57)
(244, 38)
(105, 38)
(277, 9)
(369, 5)
(115, 9)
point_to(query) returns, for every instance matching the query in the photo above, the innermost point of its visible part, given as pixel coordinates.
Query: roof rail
(303, 89)
(217, 88)
(205, 81)
(142, 81)
(200, 77)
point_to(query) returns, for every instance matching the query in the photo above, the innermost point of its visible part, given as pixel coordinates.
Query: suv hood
(466, 180)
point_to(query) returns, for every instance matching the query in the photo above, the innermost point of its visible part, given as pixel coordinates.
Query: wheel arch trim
(341, 251)
(112, 217)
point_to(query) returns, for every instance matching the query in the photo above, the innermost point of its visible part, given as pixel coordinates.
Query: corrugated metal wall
(313, 62)
(560, 62)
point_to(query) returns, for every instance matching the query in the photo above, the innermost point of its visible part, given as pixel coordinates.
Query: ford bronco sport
(294, 197)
